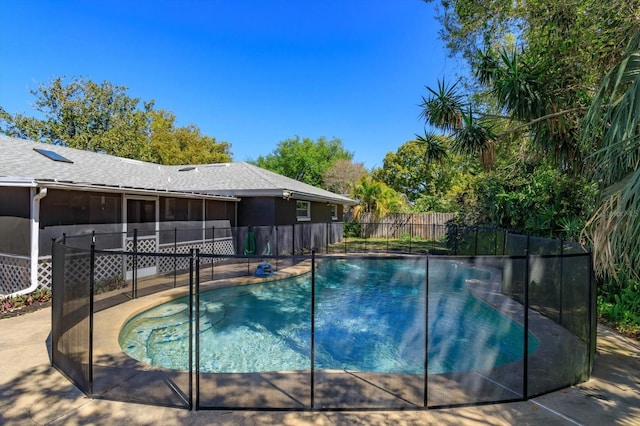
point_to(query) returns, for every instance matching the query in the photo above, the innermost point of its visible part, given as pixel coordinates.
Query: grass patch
(402, 245)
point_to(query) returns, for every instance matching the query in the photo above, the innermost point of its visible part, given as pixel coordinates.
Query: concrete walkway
(33, 393)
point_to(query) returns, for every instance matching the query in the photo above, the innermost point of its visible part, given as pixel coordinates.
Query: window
(141, 211)
(169, 208)
(180, 209)
(303, 210)
(334, 211)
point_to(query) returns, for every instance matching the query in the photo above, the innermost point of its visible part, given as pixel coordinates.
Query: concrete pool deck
(32, 392)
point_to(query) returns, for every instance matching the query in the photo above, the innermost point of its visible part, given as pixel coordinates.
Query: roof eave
(129, 190)
(290, 195)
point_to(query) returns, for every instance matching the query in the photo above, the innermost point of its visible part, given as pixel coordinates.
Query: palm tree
(613, 124)
(375, 197)
(445, 109)
(435, 149)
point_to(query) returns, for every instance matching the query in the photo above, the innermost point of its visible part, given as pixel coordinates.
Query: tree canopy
(343, 175)
(102, 117)
(183, 145)
(539, 62)
(548, 137)
(304, 159)
(411, 171)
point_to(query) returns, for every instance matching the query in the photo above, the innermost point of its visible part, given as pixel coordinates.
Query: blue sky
(252, 73)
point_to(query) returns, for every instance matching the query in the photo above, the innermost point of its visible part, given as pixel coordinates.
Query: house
(49, 191)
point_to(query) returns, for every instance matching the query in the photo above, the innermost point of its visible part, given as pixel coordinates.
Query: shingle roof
(18, 160)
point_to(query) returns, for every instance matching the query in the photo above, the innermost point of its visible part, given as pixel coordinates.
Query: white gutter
(35, 234)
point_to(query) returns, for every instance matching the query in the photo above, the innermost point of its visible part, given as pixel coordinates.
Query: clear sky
(248, 72)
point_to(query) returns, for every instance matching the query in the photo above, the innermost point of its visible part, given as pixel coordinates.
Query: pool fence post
(196, 320)
(191, 320)
(92, 269)
(366, 232)
(134, 272)
(175, 258)
(433, 234)
(504, 240)
(426, 333)
(344, 238)
(313, 326)
(248, 253)
(386, 232)
(276, 246)
(525, 349)
(475, 249)
(410, 235)
(213, 248)
(593, 307)
(326, 237)
(455, 241)
(561, 277)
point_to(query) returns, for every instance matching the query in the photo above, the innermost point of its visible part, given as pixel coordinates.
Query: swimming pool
(370, 316)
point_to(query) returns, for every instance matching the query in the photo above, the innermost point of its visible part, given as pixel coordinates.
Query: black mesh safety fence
(476, 337)
(252, 345)
(450, 239)
(71, 314)
(127, 363)
(286, 318)
(369, 332)
(562, 317)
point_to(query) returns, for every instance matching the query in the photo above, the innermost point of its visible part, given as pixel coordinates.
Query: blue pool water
(370, 316)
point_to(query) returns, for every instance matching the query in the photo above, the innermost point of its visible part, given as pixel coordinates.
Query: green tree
(86, 115)
(183, 145)
(103, 118)
(375, 197)
(540, 61)
(446, 108)
(534, 67)
(304, 159)
(414, 169)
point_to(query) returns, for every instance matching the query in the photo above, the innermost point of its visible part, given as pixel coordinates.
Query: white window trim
(334, 211)
(308, 215)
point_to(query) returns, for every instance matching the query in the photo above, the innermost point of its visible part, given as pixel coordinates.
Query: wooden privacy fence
(426, 226)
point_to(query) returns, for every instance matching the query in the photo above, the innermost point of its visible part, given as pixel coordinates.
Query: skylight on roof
(52, 155)
(186, 169)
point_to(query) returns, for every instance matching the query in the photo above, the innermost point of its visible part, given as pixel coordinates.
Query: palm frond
(435, 150)
(442, 108)
(613, 124)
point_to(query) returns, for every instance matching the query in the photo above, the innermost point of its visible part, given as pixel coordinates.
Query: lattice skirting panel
(109, 266)
(144, 245)
(15, 271)
(14, 274)
(44, 272)
(167, 264)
